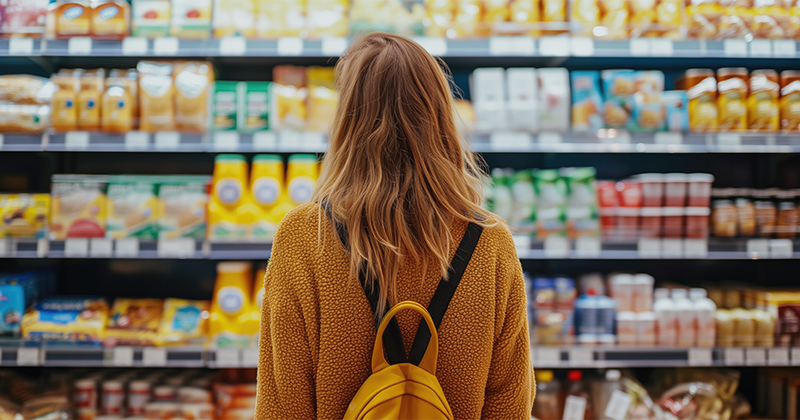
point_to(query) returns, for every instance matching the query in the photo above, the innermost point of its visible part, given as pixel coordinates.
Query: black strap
(392, 337)
(444, 293)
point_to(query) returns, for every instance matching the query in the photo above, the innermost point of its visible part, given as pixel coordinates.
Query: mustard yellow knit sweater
(317, 329)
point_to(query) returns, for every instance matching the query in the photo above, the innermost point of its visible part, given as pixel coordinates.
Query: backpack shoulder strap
(445, 291)
(392, 338)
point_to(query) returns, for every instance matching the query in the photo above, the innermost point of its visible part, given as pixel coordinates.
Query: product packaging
(117, 106)
(321, 98)
(289, 95)
(235, 18)
(550, 210)
(12, 306)
(230, 323)
(619, 87)
(228, 193)
(581, 204)
(327, 18)
(225, 106)
(183, 322)
(92, 86)
(151, 18)
(78, 207)
(587, 102)
(182, 202)
(523, 207)
(660, 18)
(703, 18)
(24, 215)
(255, 105)
(648, 106)
(270, 201)
(111, 19)
(191, 19)
(488, 98)
(134, 322)
(522, 88)
(676, 105)
(790, 100)
(23, 18)
(554, 98)
(69, 18)
(66, 319)
(701, 89)
(762, 104)
(192, 81)
(732, 85)
(64, 103)
(131, 207)
(157, 96)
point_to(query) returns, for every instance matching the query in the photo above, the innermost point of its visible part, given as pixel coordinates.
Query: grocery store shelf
(556, 46)
(602, 141)
(527, 249)
(15, 352)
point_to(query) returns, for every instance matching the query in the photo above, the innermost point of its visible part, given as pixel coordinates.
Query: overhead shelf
(527, 249)
(602, 141)
(554, 46)
(14, 352)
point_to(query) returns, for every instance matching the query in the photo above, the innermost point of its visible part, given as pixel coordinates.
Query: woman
(399, 179)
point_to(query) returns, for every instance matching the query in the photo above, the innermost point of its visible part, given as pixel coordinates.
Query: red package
(23, 17)
(607, 202)
(630, 200)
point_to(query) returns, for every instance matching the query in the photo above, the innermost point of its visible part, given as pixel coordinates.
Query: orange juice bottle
(301, 178)
(64, 114)
(228, 193)
(110, 19)
(89, 98)
(117, 108)
(71, 18)
(230, 321)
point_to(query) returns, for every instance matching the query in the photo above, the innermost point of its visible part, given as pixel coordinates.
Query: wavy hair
(397, 171)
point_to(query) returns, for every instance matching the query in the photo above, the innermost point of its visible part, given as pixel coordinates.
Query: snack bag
(657, 18)
(763, 101)
(327, 18)
(790, 100)
(441, 14)
(131, 209)
(182, 204)
(66, 319)
(117, 106)
(192, 80)
(150, 18)
(619, 87)
(234, 18)
(732, 85)
(585, 15)
(134, 322)
(157, 96)
(191, 19)
(736, 19)
(24, 18)
(703, 17)
(111, 19)
(25, 215)
(321, 98)
(183, 322)
(770, 19)
(89, 99)
(278, 18)
(587, 101)
(676, 105)
(12, 306)
(648, 106)
(527, 13)
(78, 207)
(615, 19)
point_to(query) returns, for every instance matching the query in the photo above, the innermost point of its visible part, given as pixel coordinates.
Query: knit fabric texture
(318, 331)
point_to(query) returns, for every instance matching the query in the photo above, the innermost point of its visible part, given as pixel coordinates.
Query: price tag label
(290, 46)
(434, 46)
(2, 141)
(556, 247)
(778, 356)
(250, 357)
(755, 357)
(81, 45)
(226, 140)
(134, 45)
(314, 141)
(167, 140)
(510, 140)
(122, 356)
(795, 356)
(176, 248)
(291, 138)
(574, 408)
(672, 248)
(333, 46)
(639, 47)
(695, 248)
(232, 45)
(549, 138)
(780, 248)
(20, 46)
(665, 137)
(618, 405)
(588, 247)
(760, 48)
(582, 47)
(137, 140)
(548, 355)
(734, 47)
(580, 356)
(522, 243)
(166, 46)
(649, 248)
(42, 248)
(554, 46)
(758, 248)
(784, 48)
(227, 358)
(127, 248)
(661, 47)
(729, 139)
(264, 140)
(100, 247)
(27, 356)
(76, 247)
(5, 247)
(154, 356)
(76, 140)
(700, 357)
(733, 356)
(511, 46)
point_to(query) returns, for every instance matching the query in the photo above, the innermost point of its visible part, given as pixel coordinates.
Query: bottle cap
(574, 375)
(613, 375)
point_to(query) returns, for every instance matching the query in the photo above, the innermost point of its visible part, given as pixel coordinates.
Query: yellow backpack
(407, 388)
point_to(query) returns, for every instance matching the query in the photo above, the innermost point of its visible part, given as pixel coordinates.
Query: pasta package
(134, 322)
(66, 319)
(16, 118)
(156, 96)
(192, 81)
(183, 322)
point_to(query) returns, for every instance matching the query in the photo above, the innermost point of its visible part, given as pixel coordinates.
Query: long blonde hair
(397, 172)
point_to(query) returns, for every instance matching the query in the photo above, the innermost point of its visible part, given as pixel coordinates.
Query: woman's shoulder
(300, 220)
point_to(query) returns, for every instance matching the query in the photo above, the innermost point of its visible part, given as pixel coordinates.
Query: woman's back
(317, 330)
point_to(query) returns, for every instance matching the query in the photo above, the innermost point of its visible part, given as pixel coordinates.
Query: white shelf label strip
(28, 356)
(154, 356)
(122, 356)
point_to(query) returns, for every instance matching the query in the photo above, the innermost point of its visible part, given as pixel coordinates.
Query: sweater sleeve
(286, 381)
(510, 388)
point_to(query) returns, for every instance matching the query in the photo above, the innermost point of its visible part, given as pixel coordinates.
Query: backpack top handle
(428, 361)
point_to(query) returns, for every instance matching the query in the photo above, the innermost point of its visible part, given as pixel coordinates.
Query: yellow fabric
(402, 391)
(317, 331)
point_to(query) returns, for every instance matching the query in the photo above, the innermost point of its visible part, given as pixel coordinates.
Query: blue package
(587, 102)
(619, 88)
(12, 306)
(677, 109)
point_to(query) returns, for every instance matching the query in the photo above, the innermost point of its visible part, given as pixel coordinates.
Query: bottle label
(618, 405)
(230, 299)
(266, 191)
(228, 191)
(300, 189)
(574, 408)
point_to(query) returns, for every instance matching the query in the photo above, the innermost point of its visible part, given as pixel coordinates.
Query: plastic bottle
(228, 192)
(301, 177)
(687, 319)
(230, 322)
(576, 398)
(643, 293)
(705, 311)
(666, 318)
(587, 317)
(547, 401)
(607, 311)
(602, 390)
